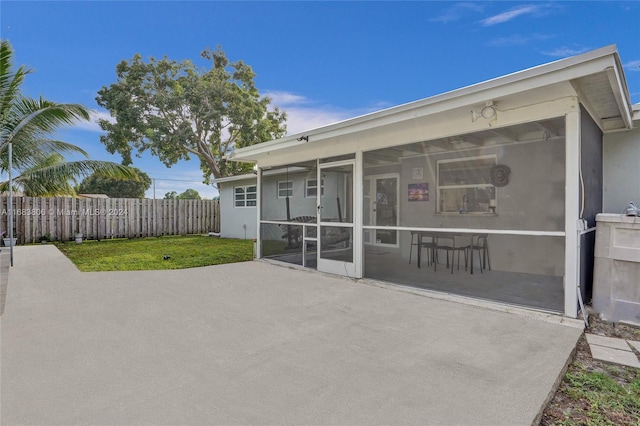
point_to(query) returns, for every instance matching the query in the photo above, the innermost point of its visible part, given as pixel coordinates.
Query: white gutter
(618, 82)
(235, 178)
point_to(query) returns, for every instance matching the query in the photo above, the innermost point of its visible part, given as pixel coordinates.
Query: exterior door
(381, 197)
(336, 218)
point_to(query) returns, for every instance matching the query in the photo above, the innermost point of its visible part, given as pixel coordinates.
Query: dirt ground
(565, 408)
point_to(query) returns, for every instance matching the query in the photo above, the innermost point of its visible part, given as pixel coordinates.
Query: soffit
(543, 130)
(607, 105)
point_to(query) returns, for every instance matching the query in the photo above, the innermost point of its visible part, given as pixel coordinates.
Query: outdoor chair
(452, 244)
(479, 244)
(422, 240)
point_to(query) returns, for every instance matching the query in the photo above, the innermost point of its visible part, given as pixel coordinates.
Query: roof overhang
(235, 178)
(597, 77)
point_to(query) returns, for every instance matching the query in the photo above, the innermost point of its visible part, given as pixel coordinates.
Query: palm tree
(38, 161)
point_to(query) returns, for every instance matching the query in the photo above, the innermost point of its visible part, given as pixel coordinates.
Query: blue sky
(320, 61)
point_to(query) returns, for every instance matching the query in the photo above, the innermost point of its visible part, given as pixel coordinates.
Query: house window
(285, 189)
(312, 188)
(464, 185)
(245, 196)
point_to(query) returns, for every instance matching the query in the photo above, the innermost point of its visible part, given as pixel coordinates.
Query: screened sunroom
(488, 192)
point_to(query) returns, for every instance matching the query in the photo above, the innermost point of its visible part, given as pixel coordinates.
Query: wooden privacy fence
(61, 219)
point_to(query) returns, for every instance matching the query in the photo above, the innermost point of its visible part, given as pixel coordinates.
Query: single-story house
(489, 191)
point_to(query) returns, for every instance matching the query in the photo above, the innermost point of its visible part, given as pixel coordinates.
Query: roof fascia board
(235, 178)
(623, 101)
(563, 70)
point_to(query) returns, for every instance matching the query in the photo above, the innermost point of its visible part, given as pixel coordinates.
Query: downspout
(582, 224)
(581, 229)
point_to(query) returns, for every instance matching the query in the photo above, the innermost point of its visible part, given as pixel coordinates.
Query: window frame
(245, 196)
(307, 187)
(462, 186)
(288, 189)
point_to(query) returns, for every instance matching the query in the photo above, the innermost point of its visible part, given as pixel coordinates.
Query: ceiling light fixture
(488, 112)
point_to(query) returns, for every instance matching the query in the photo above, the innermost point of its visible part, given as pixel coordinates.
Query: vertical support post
(259, 213)
(572, 212)
(318, 211)
(10, 204)
(358, 197)
(155, 210)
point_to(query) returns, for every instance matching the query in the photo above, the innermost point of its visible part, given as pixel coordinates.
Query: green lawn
(149, 253)
(602, 398)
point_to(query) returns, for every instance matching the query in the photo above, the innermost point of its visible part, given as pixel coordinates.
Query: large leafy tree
(116, 188)
(39, 165)
(177, 110)
(189, 194)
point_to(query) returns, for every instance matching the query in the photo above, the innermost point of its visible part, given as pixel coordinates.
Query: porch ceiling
(521, 133)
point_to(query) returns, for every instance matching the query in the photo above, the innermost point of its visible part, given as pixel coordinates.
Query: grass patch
(609, 397)
(149, 253)
(272, 248)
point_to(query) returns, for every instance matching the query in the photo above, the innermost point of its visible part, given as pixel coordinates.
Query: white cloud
(304, 114)
(92, 124)
(302, 119)
(281, 98)
(509, 15)
(517, 40)
(632, 66)
(563, 52)
(456, 12)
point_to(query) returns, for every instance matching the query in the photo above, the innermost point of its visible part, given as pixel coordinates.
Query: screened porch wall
(274, 190)
(533, 201)
(282, 228)
(283, 223)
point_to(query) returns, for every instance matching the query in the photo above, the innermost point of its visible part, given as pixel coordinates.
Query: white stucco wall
(236, 222)
(621, 171)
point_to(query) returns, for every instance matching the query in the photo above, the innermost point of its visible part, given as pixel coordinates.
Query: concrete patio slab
(607, 342)
(255, 343)
(614, 356)
(636, 345)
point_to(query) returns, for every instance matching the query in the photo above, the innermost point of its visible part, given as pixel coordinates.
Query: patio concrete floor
(255, 343)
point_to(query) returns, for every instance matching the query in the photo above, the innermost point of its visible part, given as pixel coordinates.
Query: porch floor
(531, 290)
(537, 291)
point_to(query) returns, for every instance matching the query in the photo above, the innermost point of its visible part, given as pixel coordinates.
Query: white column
(571, 212)
(358, 196)
(258, 212)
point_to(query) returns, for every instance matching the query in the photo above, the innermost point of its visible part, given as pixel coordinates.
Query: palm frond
(10, 81)
(36, 118)
(38, 161)
(55, 176)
